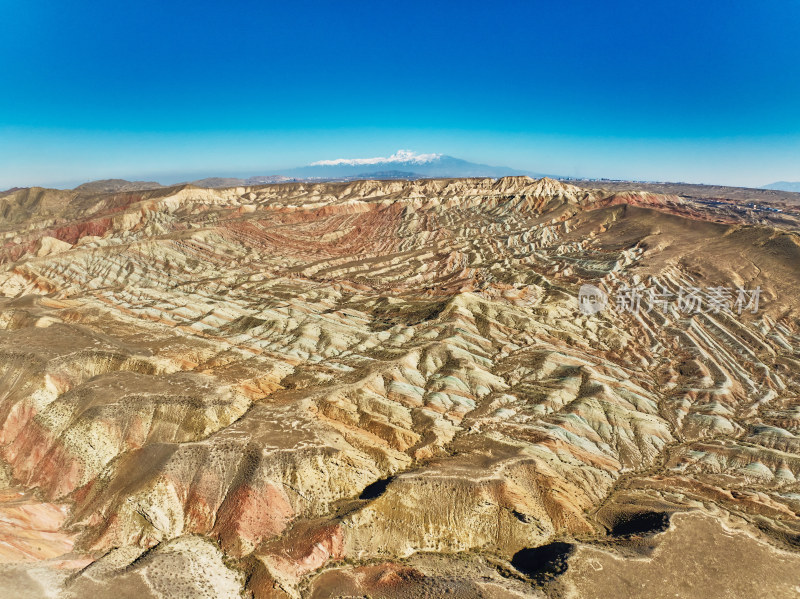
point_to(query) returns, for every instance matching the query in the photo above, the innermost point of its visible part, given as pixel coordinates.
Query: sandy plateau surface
(389, 390)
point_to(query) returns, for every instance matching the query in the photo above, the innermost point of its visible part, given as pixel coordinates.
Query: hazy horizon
(172, 177)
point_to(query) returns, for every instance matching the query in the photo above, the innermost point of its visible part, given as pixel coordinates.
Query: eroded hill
(388, 389)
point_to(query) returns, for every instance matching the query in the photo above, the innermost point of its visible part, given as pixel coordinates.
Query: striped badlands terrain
(387, 389)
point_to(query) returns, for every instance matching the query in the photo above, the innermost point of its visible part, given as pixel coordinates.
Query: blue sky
(689, 91)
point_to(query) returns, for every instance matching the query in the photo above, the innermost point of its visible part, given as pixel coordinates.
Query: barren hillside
(389, 389)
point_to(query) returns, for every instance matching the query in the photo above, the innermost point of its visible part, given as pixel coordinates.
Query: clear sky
(680, 90)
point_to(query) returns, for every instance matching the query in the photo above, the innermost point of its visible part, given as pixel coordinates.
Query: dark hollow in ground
(643, 523)
(543, 562)
(376, 489)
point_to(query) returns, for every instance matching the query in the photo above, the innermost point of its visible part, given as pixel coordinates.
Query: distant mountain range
(234, 181)
(121, 185)
(418, 165)
(784, 186)
(403, 164)
(116, 185)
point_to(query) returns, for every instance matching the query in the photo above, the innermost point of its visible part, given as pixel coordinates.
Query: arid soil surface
(390, 390)
(694, 191)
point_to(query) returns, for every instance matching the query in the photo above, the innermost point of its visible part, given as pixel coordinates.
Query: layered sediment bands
(292, 386)
(242, 485)
(31, 530)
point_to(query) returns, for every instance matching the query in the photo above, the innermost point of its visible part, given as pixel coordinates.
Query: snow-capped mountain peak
(402, 164)
(401, 156)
